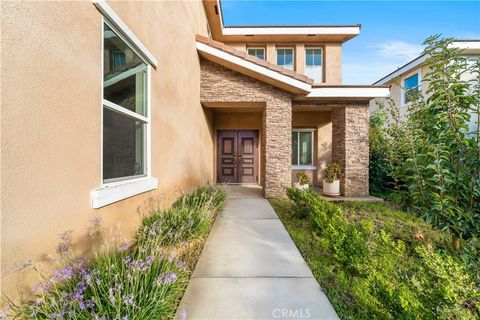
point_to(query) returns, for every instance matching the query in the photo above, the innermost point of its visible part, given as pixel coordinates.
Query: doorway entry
(237, 156)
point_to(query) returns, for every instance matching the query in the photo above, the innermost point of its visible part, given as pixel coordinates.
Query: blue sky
(392, 31)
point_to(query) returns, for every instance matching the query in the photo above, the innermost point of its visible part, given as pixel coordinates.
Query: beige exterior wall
(51, 120)
(322, 124)
(333, 63)
(332, 57)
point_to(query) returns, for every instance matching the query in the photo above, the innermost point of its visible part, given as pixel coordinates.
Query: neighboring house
(105, 105)
(409, 77)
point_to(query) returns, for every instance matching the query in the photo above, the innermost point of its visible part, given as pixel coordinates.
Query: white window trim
(115, 190)
(304, 166)
(321, 61)
(402, 87)
(258, 48)
(125, 33)
(293, 56)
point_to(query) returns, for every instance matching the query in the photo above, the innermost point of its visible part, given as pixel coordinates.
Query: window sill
(117, 191)
(303, 167)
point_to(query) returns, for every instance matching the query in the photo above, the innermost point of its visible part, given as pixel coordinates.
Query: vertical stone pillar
(350, 148)
(277, 128)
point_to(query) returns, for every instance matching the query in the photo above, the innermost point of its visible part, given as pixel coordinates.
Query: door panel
(237, 156)
(226, 167)
(247, 141)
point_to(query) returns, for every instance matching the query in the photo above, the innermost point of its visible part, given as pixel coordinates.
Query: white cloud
(397, 49)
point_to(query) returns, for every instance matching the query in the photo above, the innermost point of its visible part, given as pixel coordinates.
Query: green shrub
(369, 274)
(432, 153)
(143, 280)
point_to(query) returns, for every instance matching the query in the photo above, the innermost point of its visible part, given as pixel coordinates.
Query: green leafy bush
(380, 182)
(302, 178)
(141, 280)
(332, 172)
(432, 153)
(370, 273)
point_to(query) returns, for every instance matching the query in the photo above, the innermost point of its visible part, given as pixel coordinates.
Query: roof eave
(253, 70)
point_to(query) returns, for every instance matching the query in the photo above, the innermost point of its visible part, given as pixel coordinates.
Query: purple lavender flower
(96, 221)
(182, 314)
(62, 274)
(128, 299)
(4, 313)
(139, 265)
(166, 278)
(65, 242)
(124, 246)
(111, 295)
(125, 318)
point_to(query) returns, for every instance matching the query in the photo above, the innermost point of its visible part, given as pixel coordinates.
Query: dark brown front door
(237, 156)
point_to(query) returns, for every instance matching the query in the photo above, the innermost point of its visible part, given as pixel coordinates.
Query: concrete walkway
(251, 269)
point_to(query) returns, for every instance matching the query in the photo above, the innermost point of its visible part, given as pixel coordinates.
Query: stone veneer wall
(350, 148)
(219, 84)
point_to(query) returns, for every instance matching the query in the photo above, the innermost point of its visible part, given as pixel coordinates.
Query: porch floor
(251, 269)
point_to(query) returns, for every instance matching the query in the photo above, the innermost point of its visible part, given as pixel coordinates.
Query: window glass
(257, 52)
(125, 117)
(285, 58)
(124, 74)
(294, 148)
(302, 152)
(123, 146)
(313, 64)
(306, 148)
(410, 86)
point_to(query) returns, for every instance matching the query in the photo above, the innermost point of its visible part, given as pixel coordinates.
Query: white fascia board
(125, 31)
(406, 68)
(345, 92)
(351, 30)
(114, 192)
(465, 45)
(202, 47)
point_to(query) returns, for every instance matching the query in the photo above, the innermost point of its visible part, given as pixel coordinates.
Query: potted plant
(331, 179)
(303, 181)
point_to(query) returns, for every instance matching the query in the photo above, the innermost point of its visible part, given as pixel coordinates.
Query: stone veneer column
(277, 128)
(350, 148)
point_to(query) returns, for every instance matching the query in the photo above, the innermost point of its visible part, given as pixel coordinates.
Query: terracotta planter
(331, 189)
(300, 186)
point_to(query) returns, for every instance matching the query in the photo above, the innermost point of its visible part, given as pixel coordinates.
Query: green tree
(434, 156)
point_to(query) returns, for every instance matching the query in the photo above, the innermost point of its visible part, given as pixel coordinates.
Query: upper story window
(125, 114)
(302, 147)
(285, 57)
(257, 52)
(313, 64)
(410, 88)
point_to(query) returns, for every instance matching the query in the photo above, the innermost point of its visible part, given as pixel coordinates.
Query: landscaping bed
(144, 279)
(375, 262)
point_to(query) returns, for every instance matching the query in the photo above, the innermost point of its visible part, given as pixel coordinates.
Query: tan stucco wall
(332, 57)
(51, 120)
(322, 139)
(333, 63)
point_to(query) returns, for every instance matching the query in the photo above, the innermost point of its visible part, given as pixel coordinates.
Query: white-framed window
(125, 112)
(313, 64)
(302, 147)
(285, 58)
(410, 87)
(257, 52)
